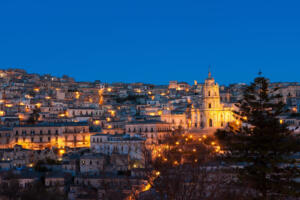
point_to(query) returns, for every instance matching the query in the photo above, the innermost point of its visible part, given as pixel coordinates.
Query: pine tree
(263, 143)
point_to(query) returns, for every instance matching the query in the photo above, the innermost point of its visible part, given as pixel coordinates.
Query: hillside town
(93, 140)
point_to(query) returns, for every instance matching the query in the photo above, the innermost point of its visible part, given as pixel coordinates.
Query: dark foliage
(263, 143)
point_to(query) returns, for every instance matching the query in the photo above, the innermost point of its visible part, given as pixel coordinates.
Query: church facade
(207, 112)
(211, 113)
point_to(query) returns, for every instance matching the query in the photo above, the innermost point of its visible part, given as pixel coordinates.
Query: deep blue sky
(152, 41)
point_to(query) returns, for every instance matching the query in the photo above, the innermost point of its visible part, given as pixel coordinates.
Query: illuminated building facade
(153, 130)
(43, 135)
(212, 113)
(208, 112)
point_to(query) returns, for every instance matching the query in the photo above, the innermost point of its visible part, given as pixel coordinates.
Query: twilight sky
(152, 41)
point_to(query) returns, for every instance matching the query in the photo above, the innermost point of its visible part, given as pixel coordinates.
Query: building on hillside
(209, 112)
(123, 144)
(43, 135)
(153, 130)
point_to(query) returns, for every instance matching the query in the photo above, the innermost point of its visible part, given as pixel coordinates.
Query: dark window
(210, 123)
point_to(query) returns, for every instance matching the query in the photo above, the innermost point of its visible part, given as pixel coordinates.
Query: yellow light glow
(152, 114)
(281, 121)
(62, 151)
(109, 126)
(108, 119)
(2, 113)
(36, 89)
(38, 105)
(96, 122)
(109, 89)
(204, 136)
(194, 150)
(138, 90)
(21, 116)
(113, 113)
(159, 112)
(47, 97)
(157, 173)
(147, 187)
(101, 100)
(28, 96)
(77, 95)
(177, 143)
(213, 143)
(8, 105)
(62, 115)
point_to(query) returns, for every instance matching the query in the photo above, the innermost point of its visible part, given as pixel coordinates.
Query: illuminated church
(207, 113)
(210, 113)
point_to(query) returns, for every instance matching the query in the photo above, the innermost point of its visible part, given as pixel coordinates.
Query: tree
(34, 116)
(182, 170)
(262, 142)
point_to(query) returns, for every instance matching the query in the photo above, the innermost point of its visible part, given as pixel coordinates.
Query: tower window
(210, 123)
(209, 93)
(209, 105)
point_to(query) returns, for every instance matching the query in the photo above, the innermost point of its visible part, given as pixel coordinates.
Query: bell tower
(210, 94)
(211, 105)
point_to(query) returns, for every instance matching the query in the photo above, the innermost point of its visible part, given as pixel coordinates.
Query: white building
(120, 143)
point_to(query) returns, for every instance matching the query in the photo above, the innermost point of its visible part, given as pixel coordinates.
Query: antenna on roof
(209, 73)
(259, 72)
